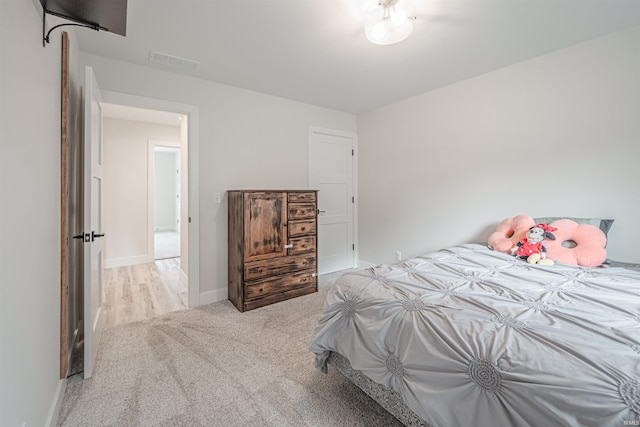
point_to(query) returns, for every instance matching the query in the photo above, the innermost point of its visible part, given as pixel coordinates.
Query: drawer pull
(289, 246)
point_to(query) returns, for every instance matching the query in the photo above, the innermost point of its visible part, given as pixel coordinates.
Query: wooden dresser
(272, 246)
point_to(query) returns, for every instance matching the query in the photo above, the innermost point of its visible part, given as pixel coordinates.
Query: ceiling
(315, 51)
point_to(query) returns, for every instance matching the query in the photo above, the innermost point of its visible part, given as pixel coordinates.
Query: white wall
(247, 140)
(558, 135)
(126, 150)
(30, 208)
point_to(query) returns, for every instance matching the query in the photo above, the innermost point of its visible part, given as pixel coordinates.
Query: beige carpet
(215, 366)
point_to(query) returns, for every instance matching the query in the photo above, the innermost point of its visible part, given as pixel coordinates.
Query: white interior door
(178, 190)
(331, 166)
(93, 233)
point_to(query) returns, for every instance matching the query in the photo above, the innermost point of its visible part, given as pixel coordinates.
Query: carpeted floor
(215, 366)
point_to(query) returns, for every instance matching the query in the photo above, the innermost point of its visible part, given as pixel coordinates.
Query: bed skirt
(385, 397)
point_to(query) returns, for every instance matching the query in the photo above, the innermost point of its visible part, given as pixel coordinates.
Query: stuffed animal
(531, 248)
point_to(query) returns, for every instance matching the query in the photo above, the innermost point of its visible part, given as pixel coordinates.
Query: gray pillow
(627, 265)
(602, 224)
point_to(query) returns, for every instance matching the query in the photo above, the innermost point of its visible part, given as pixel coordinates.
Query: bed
(471, 336)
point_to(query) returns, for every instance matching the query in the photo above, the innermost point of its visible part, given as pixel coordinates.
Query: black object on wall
(105, 15)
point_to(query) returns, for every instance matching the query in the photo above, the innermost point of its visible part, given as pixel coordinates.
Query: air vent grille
(176, 61)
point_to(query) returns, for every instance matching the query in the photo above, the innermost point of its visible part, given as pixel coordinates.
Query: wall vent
(176, 61)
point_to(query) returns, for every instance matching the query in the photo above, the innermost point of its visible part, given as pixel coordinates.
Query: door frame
(354, 177)
(193, 144)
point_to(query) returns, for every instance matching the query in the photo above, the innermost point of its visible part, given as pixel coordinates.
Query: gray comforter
(472, 337)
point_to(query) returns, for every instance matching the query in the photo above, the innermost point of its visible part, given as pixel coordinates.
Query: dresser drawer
(271, 299)
(279, 284)
(271, 267)
(302, 210)
(302, 197)
(300, 228)
(302, 245)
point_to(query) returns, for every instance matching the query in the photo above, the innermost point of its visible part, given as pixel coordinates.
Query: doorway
(142, 213)
(189, 236)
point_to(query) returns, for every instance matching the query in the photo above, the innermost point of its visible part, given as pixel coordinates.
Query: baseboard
(56, 405)
(54, 411)
(213, 296)
(121, 262)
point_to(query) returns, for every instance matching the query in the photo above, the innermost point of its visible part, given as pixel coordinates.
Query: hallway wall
(126, 151)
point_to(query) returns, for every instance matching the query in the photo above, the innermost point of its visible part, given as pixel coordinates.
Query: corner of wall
(216, 295)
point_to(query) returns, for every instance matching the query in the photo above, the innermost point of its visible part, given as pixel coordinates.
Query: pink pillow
(509, 232)
(580, 244)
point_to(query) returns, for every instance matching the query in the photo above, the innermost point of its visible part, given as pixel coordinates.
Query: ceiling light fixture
(389, 21)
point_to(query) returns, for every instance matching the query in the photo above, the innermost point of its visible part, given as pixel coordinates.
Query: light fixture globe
(389, 22)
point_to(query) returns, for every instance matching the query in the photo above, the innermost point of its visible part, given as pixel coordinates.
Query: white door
(93, 233)
(178, 187)
(331, 166)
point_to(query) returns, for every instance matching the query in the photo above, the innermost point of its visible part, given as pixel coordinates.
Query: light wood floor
(141, 291)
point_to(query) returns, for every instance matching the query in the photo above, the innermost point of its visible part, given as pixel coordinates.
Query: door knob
(86, 237)
(321, 211)
(94, 235)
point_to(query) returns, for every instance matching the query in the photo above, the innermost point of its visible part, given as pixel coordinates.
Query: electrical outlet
(398, 256)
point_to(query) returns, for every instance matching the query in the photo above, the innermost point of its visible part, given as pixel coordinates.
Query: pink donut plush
(580, 244)
(509, 232)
